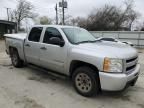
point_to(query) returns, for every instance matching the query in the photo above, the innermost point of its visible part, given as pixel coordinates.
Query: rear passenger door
(32, 46)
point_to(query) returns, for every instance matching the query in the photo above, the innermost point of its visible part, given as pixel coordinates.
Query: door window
(51, 32)
(35, 34)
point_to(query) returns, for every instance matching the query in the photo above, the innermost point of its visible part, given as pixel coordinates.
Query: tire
(86, 81)
(16, 61)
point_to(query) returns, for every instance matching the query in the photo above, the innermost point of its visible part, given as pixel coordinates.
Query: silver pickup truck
(92, 64)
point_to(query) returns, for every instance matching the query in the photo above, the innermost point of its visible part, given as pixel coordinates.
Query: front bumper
(117, 82)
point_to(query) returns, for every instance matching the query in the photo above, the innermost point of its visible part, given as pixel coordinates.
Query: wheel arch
(77, 63)
(11, 48)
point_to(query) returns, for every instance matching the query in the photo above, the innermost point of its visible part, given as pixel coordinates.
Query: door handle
(27, 45)
(43, 48)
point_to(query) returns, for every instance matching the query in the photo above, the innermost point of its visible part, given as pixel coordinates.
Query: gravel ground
(31, 87)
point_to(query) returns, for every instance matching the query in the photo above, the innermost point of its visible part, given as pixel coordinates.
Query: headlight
(112, 65)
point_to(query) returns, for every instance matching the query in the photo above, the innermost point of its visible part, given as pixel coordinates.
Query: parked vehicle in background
(134, 37)
(115, 40)
(91, 63)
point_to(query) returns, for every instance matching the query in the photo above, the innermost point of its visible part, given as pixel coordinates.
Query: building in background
(7, 27)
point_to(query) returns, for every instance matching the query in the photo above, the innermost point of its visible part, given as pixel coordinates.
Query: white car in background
(115, 40)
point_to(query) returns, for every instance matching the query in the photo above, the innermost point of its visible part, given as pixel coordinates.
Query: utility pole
(7, 13)
(63, 5)
(56, 9)
(63, 13)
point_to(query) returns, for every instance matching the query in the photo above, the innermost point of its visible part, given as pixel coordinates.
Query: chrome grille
(131, 60)
(131, 64)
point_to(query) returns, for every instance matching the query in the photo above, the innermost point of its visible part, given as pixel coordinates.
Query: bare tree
(78, 21)
(104, 18)
(22, 11)
(45, 20)
(140, 26)
(142, 29)
(68, 20)
(110, 18)
(128, 16)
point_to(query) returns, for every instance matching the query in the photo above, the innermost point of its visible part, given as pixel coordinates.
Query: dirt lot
(30, 87)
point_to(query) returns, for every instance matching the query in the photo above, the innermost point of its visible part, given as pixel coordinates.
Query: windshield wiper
(88, 41)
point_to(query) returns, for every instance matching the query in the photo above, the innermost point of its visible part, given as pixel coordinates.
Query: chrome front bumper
(117, 82)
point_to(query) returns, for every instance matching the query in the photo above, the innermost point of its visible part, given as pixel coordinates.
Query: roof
(7, 22)
(56, 26)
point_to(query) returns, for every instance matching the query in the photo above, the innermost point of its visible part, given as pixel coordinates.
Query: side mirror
(56, 41)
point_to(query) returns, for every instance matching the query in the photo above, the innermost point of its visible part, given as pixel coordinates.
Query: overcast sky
(75, 7)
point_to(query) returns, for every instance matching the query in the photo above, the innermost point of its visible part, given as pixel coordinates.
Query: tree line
(106, 18)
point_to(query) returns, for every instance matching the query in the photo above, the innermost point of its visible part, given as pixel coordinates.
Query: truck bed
(16, 41)
(19, 36)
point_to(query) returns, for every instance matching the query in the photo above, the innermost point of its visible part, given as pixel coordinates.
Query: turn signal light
(106, 66)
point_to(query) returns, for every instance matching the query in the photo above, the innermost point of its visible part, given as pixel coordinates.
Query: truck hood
(110, 49)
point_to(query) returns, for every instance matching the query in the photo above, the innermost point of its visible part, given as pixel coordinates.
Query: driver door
(52, 56)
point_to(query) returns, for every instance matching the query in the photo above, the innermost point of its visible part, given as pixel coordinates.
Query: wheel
(86, 81)
(16, 61)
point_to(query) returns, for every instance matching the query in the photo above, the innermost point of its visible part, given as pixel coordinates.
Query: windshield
(78, 35)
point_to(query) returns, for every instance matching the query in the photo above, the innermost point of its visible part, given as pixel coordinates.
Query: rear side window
(35, 34)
